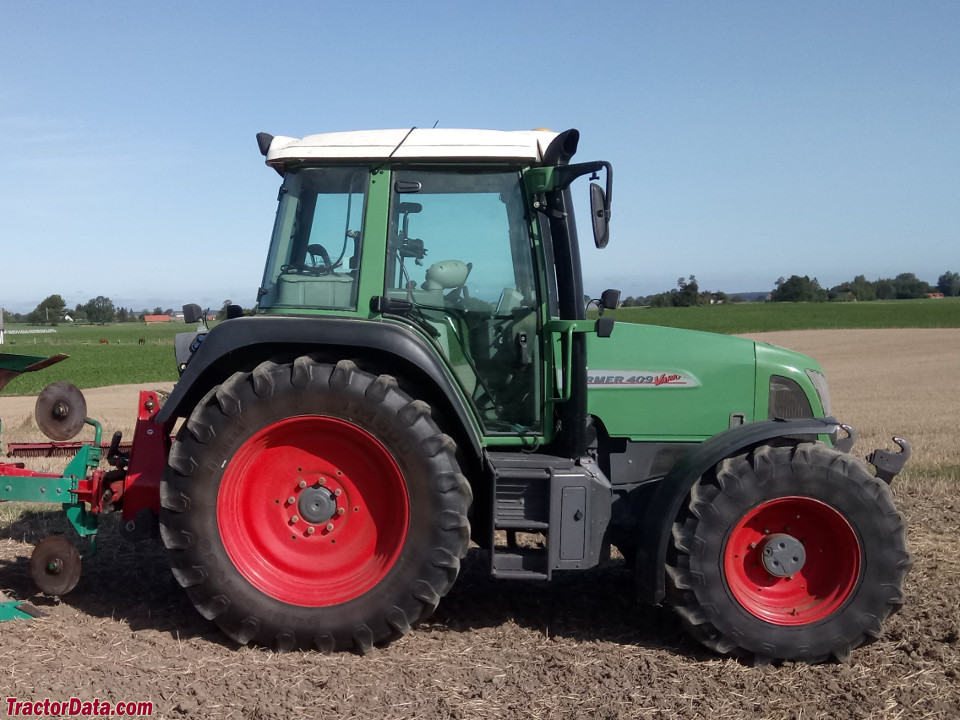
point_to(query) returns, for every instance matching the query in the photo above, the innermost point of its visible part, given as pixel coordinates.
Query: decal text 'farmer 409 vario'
(638, 378)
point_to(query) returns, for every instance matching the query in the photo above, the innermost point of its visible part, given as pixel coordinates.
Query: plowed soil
(578, 647)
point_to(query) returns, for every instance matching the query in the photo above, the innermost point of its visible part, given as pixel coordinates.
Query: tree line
(905, 286)
(100, 310)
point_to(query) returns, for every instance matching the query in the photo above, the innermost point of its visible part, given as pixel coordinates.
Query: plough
(83, 489)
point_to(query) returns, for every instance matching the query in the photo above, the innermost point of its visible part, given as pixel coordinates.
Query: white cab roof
(421, 144)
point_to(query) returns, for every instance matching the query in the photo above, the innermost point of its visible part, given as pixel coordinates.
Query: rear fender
(241, 344)
(668, 498)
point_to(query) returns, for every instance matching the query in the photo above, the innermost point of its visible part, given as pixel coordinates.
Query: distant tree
(859, 289)
(100, 310)
(661, 300)
(798, 289)
(156, 311)
(689, 292)
(885, 289)
(122, 315)
(908, 286)
(863, 289)
(949, 284)
(50, 310)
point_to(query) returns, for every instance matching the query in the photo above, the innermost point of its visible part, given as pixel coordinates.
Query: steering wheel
(326, 267)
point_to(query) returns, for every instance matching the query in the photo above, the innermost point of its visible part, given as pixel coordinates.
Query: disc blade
(55, 565)
(60, 411)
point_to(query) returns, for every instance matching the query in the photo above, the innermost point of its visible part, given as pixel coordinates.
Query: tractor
(422, 372)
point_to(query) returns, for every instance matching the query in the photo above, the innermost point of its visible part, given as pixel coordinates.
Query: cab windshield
(317, 236)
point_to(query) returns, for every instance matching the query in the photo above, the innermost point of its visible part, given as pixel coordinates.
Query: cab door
(460, 250)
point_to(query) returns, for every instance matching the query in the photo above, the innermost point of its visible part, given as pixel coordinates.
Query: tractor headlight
(819, 381)
(787, 399)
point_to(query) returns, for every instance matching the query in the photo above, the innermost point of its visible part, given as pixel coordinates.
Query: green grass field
(123, 360)
(764, 317)
(92, 364)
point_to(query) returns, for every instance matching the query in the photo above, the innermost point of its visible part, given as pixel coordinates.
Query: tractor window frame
(295, 278)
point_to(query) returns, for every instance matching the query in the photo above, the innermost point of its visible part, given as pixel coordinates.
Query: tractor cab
(452, 233)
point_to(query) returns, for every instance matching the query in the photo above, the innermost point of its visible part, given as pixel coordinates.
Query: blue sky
(750, 140)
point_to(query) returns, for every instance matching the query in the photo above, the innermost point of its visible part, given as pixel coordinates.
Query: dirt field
(578, 647)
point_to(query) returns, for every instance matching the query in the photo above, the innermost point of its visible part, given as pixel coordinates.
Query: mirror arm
(566, 174)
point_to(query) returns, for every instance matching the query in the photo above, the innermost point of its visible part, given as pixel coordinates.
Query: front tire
(787, 553)
(313, 505)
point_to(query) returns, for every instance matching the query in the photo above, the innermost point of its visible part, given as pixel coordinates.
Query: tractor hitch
(889, 464)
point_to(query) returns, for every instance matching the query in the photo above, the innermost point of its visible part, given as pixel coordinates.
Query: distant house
(935, 295)
(156, 318)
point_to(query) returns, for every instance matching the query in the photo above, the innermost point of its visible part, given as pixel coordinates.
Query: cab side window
(460, 250)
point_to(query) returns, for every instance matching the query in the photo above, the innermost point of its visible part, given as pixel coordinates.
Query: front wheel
(787, 553)
(313, 505)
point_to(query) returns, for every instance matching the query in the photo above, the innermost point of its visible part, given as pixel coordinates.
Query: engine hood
(647, 382)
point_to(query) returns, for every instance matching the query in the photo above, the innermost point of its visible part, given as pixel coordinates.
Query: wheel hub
(317, 505)
(782, 555)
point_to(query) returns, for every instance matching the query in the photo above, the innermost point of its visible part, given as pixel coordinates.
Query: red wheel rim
(825, 581)
(313, 511)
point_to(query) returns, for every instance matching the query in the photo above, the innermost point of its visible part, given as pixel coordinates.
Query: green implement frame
(13, 365)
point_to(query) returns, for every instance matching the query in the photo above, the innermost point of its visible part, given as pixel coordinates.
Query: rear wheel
(308, 504)
(787, 553)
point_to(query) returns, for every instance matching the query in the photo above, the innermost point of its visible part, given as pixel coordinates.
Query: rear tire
(787, 553)
(313, 505)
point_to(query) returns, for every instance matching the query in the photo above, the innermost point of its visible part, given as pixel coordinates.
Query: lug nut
(329, 527)
(302, 484)
(294, 520)
(311, 530)
(340, 511)
(291, 500)
(323, 481)
(338, 492)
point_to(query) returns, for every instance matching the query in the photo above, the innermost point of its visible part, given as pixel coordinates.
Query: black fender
(242, 343)
(668, 497)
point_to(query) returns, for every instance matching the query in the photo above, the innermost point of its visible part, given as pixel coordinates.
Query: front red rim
(829, 573)
(313, 511)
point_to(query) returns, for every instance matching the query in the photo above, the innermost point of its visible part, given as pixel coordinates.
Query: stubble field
(578, 647)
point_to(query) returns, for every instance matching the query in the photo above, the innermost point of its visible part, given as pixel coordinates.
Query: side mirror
(192, 313)
(610, 299)
(600, 211)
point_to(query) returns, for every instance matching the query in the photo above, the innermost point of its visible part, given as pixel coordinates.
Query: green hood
(657, 383)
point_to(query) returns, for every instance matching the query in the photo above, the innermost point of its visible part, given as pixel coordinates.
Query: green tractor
(421, 373)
